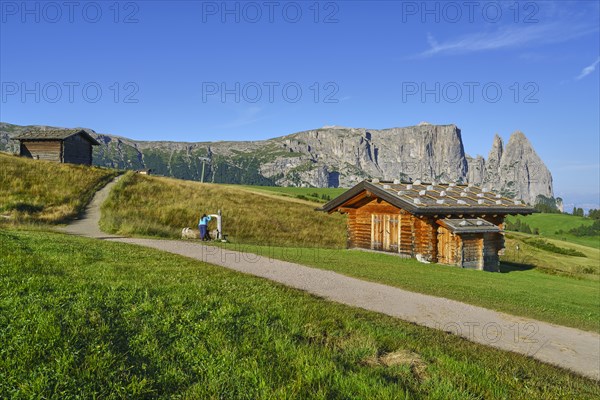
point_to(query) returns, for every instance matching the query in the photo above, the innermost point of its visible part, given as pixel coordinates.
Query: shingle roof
(54, 134)
(434, 198)
(473, 225)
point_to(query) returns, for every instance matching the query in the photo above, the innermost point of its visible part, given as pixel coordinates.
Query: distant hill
(332, 157)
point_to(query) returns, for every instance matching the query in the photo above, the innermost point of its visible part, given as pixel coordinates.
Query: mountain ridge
(332, 157)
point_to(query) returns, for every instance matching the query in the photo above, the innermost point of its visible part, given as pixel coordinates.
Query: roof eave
(332, 206)
(83, 132)
(462, 231)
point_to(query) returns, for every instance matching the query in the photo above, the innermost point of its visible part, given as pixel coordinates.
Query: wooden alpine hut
(61, 145)
(445, 223)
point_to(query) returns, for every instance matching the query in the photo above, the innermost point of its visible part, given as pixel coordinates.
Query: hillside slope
(157, 206)
(44, 191)
(333, 157)
(557, 226)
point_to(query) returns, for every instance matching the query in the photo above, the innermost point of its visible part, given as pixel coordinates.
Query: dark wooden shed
(61, 145)
(445, 223)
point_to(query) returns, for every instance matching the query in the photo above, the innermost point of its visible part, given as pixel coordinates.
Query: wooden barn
(445, 223)
(62, 145)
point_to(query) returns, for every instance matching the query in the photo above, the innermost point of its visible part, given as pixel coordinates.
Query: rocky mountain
(516, 169)
(332, 157)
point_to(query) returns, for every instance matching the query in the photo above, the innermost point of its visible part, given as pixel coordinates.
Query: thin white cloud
(589, 69)
(511, 36)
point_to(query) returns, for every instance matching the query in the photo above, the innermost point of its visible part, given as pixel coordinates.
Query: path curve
(88, 222)
(565, 347)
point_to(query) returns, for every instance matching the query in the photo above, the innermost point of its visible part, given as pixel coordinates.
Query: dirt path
(566, 347)
(87, 224)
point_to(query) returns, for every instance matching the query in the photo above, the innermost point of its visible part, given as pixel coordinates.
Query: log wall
(425, 238)
(77, 150)
(42, 149)
(359, 222)
(492, 244)
(472, 251)
(381, 226)
(406, 245)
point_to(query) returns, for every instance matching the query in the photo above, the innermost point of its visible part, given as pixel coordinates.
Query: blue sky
(198, 71)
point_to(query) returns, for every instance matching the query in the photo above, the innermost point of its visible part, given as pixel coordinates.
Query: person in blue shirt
(203, 227)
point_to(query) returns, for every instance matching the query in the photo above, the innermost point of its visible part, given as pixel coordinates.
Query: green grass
(36, 191)
(300, 192)
(154, 206)
(150, 206)
(550, 224)
(522, 291)
(545, 245)
(90, 319)
(551, 261)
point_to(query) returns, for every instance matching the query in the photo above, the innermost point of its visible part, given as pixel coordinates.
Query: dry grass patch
(44, 191)
(156, 206)
(401, 357)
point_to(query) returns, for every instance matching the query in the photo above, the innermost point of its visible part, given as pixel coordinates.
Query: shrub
(587, 230)
(547, 246)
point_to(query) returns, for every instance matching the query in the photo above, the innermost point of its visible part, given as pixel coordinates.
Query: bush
(546, 204)
(594, 214)
(519, 226)
(544, 245)
(587, 230)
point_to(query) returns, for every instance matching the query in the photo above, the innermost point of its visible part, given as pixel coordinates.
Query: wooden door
(390, 234)
(377, 228)
(443, 247)
(384, 232)
(472, 251)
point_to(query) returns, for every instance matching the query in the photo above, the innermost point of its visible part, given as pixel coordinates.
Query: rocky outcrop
(476, 168)
(522, 172)
(333, 157)
(515, 171)
(429, 152)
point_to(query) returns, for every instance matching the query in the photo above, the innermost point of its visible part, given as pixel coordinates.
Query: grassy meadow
(524, 291)
(550, 225)
(155, 206)
(36, 191)
(585, 265)
(82, 318)
(319, 195)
